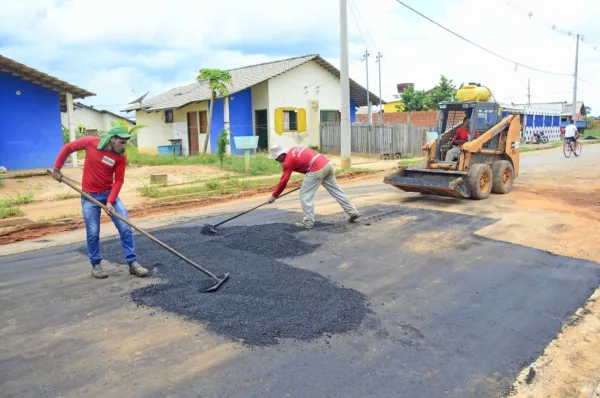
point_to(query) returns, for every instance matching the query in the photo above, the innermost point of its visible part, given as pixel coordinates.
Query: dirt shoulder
(23, 230)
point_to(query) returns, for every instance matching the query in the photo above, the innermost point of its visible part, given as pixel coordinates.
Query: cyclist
(571, 134)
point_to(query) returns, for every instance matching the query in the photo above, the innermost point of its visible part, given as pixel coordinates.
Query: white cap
(277, 151)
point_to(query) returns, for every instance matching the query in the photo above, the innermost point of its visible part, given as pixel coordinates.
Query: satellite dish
(139, 100)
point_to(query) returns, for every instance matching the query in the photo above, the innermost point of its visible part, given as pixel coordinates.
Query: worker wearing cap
(103, 175)
(318, 172)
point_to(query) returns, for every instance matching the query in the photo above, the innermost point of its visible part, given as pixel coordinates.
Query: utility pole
(574, 111)
(380, 106)
(366, 59)
(528, 93)
(345, 143)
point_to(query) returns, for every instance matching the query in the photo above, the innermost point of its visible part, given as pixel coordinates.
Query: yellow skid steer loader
(487, 161)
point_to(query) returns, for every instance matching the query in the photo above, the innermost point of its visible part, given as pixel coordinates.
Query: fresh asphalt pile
(264, 300)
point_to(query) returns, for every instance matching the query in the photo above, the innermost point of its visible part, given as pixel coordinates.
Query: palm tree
(133, 131)
(217, 80)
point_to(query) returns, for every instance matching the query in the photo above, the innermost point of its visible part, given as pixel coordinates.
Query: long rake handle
(146, 234)
(254, 208)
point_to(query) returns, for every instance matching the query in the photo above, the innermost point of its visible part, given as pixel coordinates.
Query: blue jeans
(91, 215)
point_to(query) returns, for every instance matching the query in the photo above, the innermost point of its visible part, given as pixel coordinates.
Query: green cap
(115, 131)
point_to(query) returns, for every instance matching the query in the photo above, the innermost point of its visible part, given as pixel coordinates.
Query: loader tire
(480, 181)
(503, 175)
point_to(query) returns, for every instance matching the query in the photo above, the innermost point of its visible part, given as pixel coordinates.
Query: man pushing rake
(318, 172)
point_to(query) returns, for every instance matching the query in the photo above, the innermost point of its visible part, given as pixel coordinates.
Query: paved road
(452, 315)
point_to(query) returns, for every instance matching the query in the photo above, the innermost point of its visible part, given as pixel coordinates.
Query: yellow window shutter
(301, 120)
(279, 121)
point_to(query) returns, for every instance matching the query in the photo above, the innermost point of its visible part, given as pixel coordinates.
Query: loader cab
(482, 116)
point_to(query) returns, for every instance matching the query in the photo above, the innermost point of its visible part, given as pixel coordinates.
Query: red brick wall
(418, 118)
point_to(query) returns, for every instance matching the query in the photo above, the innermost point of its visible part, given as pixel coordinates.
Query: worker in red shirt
(318, 172)
(462, 134)
(103, 175)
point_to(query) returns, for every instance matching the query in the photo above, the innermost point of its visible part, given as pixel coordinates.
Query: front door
(262, 129)
(192, 123)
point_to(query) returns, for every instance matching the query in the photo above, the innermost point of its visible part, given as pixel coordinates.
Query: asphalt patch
(264, 299)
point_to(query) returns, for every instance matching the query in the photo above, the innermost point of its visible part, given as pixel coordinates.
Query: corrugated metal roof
(42, 79)
(242, 78)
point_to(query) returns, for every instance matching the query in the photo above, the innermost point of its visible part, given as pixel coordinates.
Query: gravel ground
(263, 301)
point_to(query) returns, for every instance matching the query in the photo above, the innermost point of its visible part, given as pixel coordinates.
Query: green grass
(65, 196)
(9, 211)
(592, 133)
(16, 201)
(9, 206)
(59, 217)
(538, 147)
(223, 186)
(411, 161)
(214, 187)
(259, 164)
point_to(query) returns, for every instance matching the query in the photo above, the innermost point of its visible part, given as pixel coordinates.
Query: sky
(123, 49)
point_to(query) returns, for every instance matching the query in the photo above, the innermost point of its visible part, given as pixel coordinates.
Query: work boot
(137, 270)
(98, 271)
(302, 225)
(354, 217)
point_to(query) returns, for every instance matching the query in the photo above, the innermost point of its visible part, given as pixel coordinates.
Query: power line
(552, 26)
(357, 25)
(366, 26)
(481, 47)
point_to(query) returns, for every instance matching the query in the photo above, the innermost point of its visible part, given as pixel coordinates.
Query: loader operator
(462, 134)
(318, 172)
(103, 175)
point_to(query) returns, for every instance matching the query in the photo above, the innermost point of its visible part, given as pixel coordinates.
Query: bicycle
(568, 148)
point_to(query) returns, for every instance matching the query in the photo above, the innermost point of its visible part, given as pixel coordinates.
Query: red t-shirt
(462, 134)
(298, 159)
(102, 170)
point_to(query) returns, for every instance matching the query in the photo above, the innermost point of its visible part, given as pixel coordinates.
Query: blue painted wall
(353, 111)
(240, 117)
(30, 131)
(218, 124)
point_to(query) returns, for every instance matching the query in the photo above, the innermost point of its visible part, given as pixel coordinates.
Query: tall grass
(6, 212)
(214, 187)
(259, 164)
(9, 206)
(17, 200)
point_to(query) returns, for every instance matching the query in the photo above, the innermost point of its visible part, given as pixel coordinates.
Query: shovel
(214, 288)
(209, 229)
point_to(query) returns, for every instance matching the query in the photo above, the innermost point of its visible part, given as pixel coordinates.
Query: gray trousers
(310, 185)
(452, 153)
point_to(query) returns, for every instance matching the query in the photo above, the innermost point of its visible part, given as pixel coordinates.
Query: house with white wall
(281, 102)
(94, 120)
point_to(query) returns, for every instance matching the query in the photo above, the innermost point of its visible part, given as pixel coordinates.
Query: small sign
(108, 161)
(515, 144)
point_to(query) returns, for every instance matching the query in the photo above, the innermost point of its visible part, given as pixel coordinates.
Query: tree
(133, 131)
(217, 80)
(222, 142)
(445, 90)
(413, 100)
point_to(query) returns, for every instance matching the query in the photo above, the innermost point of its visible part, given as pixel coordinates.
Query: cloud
(121, 49)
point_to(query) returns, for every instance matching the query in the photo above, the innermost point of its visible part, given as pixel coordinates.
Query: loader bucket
(452, 184)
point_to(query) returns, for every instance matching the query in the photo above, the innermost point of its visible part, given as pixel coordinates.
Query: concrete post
(71, 125)
(345, 138)
(226, 120)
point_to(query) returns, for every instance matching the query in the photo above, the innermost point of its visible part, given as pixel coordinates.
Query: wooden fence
(386, 141)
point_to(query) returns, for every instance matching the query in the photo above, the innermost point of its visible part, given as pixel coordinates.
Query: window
(330, 116)
(290, 120)
(169, 116)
